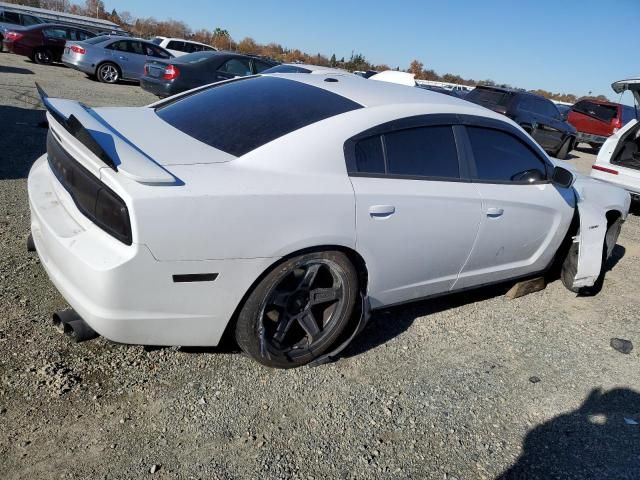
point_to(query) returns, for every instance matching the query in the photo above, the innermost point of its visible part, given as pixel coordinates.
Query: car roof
(316, 68)
(374, 94)
(176, 39)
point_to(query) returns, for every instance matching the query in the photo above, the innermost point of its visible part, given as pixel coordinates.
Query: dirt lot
(473, 386)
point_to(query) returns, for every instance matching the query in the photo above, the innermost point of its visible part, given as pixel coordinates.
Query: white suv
(180, 46)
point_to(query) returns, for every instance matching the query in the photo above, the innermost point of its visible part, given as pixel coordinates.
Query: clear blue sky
(558, 45)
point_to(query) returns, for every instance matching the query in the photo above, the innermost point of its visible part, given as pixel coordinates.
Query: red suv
(43, 43)
(596, 120)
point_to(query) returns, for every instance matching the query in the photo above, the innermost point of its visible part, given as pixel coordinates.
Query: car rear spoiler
(86, 126)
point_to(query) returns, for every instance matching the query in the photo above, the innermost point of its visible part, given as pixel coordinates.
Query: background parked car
(43, 43)
(596, 121)
(304, 68)
(164, 78)
(12, 20)
(179, 46)
(112, 58)
(537, 115)
(619, 158)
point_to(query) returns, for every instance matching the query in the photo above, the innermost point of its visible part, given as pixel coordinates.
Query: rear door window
(239, 67)
(423, 152)
(154, 51)
(502, 158)
(28, 20)
(242, 115)
(57, 33)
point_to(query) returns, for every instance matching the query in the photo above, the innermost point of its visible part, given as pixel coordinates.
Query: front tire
(298, 310)
(108, 73)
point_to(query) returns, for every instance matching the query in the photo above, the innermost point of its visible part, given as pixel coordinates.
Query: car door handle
(494, 212)
(381, 211)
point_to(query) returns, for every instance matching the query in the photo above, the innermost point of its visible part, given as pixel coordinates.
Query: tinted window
(424, 151)
(79, 35)
(486, 96)
(369, 156)
(606, 113)
(240, 116)
(157, 41)
(154, 51)
(175, 45)
(28, 20)
(261, 66)
(287, 69)
(236, 66)
(11, 17)
(59, 33)
(502, 157)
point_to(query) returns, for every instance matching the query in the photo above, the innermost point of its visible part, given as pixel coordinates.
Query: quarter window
(501, 157)
(423, 151)
(369, 155)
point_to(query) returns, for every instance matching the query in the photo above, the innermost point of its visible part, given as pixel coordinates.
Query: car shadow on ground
(18, 70)
(585, 148)
(23, 136)
(388, 323)
(598, 440)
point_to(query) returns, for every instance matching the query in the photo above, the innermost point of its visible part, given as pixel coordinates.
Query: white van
(180, 46)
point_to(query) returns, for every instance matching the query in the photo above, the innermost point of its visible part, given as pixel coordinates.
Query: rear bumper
(590, 138)
(159, 87)
(86, 67)
(122, 291)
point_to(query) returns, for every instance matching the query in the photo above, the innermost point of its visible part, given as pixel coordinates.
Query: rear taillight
(171, 72)
(605, 169)
(77, 49)
(13, 36)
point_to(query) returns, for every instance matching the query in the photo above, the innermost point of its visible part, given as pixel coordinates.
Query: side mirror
(562, 177)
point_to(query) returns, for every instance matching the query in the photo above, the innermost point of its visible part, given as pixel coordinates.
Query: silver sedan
(112, 58)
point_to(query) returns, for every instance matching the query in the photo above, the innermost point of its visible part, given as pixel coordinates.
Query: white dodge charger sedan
(282, 208)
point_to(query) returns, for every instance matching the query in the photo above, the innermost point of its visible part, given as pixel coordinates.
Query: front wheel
(298, 310)
(108, 73)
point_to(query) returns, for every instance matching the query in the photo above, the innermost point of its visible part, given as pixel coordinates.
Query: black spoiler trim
(75, 128)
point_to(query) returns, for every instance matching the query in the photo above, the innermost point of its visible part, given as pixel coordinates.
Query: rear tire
(298, 310)
(43, 56)
(108, 72)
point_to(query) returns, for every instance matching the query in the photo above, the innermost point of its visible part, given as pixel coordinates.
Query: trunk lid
(630, 84)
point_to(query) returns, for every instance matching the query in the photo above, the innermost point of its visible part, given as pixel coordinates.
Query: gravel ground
(472, 386)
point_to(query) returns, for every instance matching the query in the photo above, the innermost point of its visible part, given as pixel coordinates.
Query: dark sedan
(166, 78)
(535, 114)
(43, 43)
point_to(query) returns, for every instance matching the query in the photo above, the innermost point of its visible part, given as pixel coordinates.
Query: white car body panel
(522, 227)
(237, 216)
